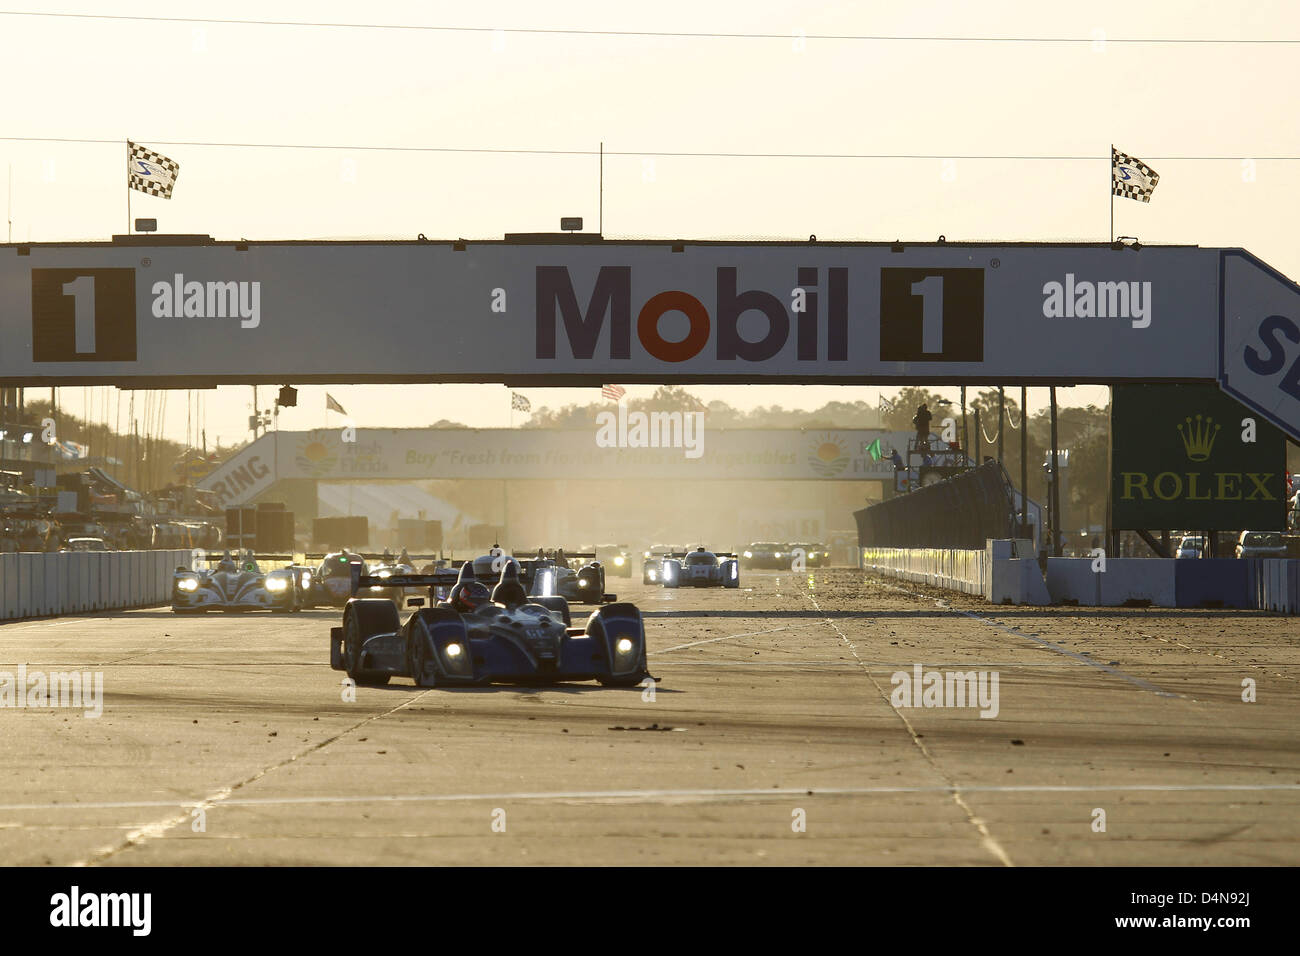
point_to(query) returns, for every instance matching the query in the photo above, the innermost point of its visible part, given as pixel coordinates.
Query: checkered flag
(520, 403)
(1130, 177)
(151, 172)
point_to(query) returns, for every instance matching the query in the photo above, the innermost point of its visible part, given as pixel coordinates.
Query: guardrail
(41, 584)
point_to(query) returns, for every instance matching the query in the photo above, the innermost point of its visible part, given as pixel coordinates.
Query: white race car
(700, 569)
(236, 585)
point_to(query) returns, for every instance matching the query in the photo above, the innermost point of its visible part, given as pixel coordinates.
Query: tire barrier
(43, 584)
(960, 513)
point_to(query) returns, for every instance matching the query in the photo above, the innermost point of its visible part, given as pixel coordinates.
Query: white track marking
(643, 796)
(222, 796)
(986, 837)
(729, 637)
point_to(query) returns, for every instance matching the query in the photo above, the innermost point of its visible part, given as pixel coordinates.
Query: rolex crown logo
(1198, 437)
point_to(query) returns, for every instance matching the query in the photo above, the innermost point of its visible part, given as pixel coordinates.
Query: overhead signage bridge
(192, 312)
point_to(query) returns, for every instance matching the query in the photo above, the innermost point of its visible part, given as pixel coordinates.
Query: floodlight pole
(1002, 404)
(1024, 456)
(1054, 489)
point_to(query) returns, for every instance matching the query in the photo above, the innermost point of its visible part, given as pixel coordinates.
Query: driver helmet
(470, 596)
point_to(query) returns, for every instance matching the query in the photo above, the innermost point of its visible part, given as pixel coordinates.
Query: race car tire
(417, 663)
(362, 619)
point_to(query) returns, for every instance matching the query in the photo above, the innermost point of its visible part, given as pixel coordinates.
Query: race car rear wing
(550, 555)
(439, 579)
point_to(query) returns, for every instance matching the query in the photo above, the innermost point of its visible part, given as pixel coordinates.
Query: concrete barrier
(39, 584)
(1276, 584)
(1213, 582)
(956, 570)
(1006, 573)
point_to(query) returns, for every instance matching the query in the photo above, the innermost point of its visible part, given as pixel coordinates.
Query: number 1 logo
(83, 315)
(931, 315)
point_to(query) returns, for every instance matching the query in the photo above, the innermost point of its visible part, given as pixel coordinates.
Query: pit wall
(1006, 572)
(37, 584)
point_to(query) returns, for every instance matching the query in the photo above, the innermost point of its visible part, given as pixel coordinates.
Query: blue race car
(482, 637)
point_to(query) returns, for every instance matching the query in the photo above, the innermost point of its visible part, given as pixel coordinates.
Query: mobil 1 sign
(1189, 457)
(556, 313)
(1259, 325)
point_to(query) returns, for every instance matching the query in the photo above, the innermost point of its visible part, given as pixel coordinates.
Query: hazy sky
(1207, 116)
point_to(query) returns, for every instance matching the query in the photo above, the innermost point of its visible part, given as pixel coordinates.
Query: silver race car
(236, 585)
(701, 568)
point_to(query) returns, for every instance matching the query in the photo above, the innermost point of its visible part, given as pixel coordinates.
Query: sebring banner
(426, 453)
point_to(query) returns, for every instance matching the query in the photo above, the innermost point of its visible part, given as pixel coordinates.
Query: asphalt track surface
(226, 740)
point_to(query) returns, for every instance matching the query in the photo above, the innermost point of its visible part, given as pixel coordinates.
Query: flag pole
(1111, 184)
(128, 187)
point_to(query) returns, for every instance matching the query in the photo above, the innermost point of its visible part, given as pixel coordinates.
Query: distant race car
(653, 559)
(329, 584)
(389, 566)
(770, 555)
(815, 555)
(554, 573)
(482, 637)
(701, 569)
(236, 585)
(616, 559)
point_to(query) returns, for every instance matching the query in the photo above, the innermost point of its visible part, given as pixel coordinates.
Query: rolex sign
(1190, 458)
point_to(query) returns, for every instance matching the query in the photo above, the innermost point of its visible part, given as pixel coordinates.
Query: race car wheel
(361, 620)
(417, 662)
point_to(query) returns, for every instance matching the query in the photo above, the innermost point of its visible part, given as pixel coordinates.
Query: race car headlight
(749, 554)
(645, 554)
(306, 579)
(456, 658)
(620, 561)
(623, 646)
(734, 572)
(651, 574)
(583, 582)
(277, 584)
(778, 554)
(384, 574)
(187, 584)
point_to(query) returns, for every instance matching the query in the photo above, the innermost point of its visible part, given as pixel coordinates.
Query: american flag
(613, 391)
(519, 403)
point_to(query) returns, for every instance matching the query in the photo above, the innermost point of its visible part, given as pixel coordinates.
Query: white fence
(37, 584)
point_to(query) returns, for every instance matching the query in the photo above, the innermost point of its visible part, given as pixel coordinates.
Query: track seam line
(986, 837)
(1057, 648)
(151, 831)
